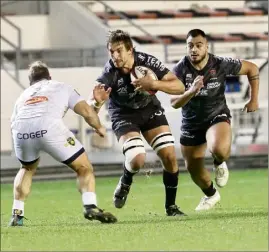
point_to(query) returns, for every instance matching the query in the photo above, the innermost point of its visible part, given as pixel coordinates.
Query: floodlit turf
(56, 222)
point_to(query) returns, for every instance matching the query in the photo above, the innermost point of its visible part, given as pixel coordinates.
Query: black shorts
(139, 120)
(198, 136)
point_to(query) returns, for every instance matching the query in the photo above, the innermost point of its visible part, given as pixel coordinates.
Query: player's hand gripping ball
(140, 72)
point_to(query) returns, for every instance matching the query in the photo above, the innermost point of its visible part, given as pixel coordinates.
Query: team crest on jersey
(71, 141)
(212, 72)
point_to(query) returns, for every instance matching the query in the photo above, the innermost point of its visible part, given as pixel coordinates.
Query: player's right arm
(82, 108)
(181, 100)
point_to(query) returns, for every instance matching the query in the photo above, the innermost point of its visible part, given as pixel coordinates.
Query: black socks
(170, 181)
(127, 177)
(210, 191)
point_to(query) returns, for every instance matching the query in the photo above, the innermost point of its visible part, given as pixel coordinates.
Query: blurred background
(70, 36)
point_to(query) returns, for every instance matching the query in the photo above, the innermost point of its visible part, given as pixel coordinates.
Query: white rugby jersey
(46, 98)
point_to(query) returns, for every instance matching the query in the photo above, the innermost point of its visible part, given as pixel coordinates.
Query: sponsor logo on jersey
(188, 76)
(157, 113)
(155, 63)
(121, 123)
(31, 135)
(202, 92)
(186, 134)
(211, 85)
(36, 99)
(140, 56)
(122, 90)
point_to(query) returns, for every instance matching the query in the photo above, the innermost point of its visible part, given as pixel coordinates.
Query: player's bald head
(38, 70)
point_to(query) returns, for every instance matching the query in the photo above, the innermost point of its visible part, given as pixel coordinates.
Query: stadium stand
(170, 39)
(186, 13)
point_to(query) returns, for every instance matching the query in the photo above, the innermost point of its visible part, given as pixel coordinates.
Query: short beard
(198, 61)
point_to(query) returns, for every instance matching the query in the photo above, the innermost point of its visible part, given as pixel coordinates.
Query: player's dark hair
(38, 70)
(196, 32)
(120, 36)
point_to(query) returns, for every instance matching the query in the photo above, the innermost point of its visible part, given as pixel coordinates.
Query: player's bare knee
(134, 151)
(138, 162)
(221, 153)
(83, 169)
(194, 165)
(169, 161)
(21, 190)
(191, 168)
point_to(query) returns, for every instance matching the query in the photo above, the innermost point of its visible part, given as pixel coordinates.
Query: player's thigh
(194, 156)
(82, 163)
(62, 144)
(219, 138)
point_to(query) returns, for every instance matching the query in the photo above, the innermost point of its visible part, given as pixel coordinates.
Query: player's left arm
(166, 80)
(252, 71)
(169, 84)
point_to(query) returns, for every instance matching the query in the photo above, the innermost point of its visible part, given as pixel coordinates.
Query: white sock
(18, 205)
(89, 198)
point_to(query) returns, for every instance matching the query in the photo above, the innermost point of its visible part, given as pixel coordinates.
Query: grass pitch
(55, 221)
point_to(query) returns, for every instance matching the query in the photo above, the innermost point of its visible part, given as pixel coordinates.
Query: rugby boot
(120, 194)
(174, 211)
(207, 203)
(92, 212)
(221, 174)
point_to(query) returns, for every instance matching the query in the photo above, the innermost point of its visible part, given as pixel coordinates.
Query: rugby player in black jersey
(133, 112)
(205, 115)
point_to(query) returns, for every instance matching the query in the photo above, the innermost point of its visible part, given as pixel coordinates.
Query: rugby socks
(170, 181)
(18, 207)
(89, 198)
(210, 191)
(217, 163)
(127, 177)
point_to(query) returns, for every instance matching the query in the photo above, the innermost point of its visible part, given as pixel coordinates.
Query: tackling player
(37, 125)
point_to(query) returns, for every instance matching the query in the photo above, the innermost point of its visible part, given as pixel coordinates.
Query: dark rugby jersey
(210, 101)
(123, 95)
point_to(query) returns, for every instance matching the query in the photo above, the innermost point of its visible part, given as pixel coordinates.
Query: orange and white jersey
(46, 98)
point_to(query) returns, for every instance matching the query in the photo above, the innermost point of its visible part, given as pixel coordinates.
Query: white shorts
(53, 137)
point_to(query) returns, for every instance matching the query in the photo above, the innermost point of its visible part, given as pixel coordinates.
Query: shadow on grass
(157, 218)
(199, 216)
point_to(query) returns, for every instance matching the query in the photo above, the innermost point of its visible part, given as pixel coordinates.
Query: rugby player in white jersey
(37, 125)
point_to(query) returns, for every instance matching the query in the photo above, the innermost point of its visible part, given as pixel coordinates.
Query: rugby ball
(140, 72)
